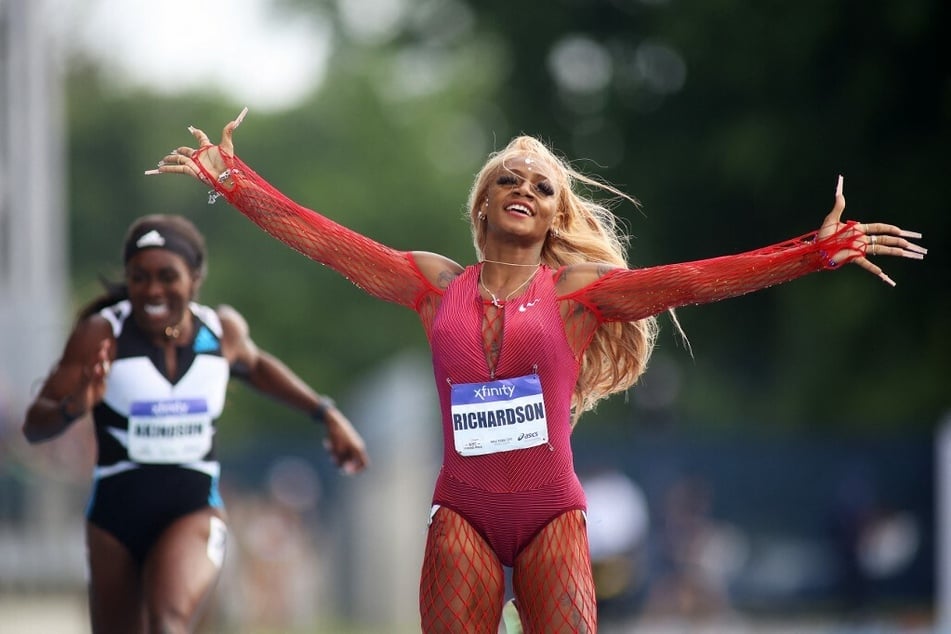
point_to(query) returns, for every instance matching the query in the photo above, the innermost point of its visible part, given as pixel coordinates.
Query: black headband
(164, 238)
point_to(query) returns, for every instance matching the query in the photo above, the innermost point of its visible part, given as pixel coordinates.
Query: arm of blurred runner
(270, 376)
(76, 383)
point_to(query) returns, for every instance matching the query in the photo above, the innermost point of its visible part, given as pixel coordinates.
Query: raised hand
(89, 385)
(207, 161)
(95, 373)
(868, 239)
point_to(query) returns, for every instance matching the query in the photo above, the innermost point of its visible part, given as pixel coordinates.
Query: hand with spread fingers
(344, 444)
(870, 238)
(206, 161)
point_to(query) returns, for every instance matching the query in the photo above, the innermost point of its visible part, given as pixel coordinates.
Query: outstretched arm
(270, 376)
(629, 294)
(379, 270)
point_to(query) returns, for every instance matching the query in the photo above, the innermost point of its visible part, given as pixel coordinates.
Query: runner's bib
(496, 416)
(169, 432)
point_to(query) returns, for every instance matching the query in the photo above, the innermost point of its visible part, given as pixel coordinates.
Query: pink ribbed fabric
(507, 496)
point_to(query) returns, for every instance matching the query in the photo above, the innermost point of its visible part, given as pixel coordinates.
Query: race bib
(169, 432)
(496, 416)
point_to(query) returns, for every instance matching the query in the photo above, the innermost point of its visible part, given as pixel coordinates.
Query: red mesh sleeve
(630, 294)
(379, 270)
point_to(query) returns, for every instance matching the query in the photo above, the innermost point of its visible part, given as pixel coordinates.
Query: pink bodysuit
(509, 496)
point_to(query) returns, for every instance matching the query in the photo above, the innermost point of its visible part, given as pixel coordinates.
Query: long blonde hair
(583, 230)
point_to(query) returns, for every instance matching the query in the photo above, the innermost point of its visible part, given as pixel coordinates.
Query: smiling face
(521, 197)
(160, 286)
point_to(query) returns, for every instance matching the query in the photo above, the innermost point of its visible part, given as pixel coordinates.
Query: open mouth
(156, 310)
(520, 209)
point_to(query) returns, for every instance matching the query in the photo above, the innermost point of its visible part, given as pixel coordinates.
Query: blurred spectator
(271, 578)
(873, 542)
(273, 567)
(618, 524)
(696, 556)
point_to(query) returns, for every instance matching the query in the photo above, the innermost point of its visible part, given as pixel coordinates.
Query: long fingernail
(240, 118)
(838, 186)
(191, 129)
(910, 234)
(916, 249)
(152, 172)
(912, 255)
(887, 279)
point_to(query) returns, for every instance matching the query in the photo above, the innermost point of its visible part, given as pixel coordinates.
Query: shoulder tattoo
(445, 276)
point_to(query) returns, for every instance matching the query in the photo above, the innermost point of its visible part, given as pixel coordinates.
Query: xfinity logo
(168, 408)
(484, 391)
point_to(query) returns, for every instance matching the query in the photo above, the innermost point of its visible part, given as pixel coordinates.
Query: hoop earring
(554, 232)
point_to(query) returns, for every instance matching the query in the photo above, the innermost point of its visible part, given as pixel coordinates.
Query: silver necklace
(510, 263)
(500, 303)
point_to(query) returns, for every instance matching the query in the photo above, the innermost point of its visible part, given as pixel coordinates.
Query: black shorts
(136, 506)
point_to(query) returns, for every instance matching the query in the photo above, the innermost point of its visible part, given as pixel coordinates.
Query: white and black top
(146, 418)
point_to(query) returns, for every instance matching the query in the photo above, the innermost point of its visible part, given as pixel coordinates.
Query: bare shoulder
(86, 337)
(438, 269)
(231, 319)
(236, 344)
(90, 331)
(94, 325)
(577, 276)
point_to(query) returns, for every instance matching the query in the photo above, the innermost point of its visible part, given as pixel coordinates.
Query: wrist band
(320, 412)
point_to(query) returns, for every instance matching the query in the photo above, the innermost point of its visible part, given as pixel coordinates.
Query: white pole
(943, 524)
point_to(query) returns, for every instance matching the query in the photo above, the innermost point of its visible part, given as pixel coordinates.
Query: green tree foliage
(730, 122)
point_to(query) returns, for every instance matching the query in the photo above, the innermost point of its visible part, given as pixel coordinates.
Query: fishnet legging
(462, 586)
